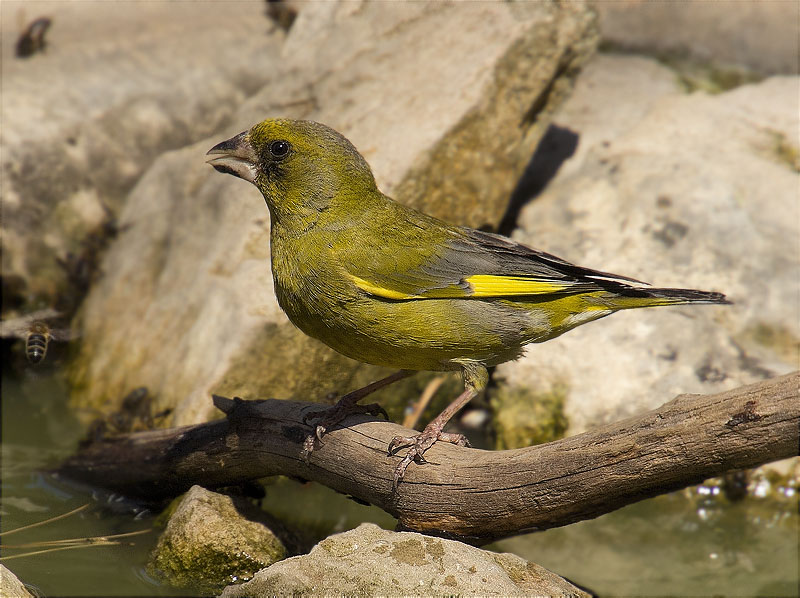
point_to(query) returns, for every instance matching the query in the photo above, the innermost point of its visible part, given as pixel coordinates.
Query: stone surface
(11, 586)
(186, 305)
(723, 32)
(369, 561)
(208, 543)
(116, 86)
(692, 191)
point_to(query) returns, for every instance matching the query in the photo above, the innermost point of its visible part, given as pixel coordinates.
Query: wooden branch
(468, 493)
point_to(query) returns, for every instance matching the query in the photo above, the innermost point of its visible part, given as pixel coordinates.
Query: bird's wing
(474, 264)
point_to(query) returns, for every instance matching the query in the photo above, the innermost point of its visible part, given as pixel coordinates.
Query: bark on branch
(469, 493)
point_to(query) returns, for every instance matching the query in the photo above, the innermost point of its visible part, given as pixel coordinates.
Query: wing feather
(477, 265)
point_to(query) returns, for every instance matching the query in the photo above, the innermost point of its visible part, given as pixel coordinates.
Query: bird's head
(299, 166)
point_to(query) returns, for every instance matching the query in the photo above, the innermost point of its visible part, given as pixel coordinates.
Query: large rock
(758, 35)
(208, 543)
(116, 85)
(445, 101)
(369, 561)
(692, 191)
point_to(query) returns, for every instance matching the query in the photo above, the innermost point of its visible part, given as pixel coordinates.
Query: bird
(388, 285)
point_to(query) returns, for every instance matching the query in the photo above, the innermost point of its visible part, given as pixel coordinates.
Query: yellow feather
(481, 285)
(487, 285)
(380, 291)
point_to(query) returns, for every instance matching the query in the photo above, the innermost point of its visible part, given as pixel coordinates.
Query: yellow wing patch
(480, 286)
(487, 285)
(379, 291)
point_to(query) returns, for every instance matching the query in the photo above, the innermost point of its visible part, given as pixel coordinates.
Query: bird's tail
(631, 297)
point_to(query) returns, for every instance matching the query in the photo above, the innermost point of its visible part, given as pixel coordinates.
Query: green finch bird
(388, 285)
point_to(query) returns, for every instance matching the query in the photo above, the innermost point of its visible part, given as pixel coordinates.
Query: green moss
(514, 570)
(208, 544)
(709, 78)
(693, 74)
(206, 569)
(785, 151)
(409, 552)
(777, 338)
(160, 522)
(434, 548)
(338, 547)
(524, 417)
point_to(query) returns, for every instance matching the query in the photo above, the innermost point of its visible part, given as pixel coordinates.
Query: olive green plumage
(385, 284)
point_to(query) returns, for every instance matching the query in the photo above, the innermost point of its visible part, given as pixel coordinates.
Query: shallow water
(693, 542)
(676, 545)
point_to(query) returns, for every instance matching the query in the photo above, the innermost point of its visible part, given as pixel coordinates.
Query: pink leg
(347, 406)
(475, 379)
(421, 442)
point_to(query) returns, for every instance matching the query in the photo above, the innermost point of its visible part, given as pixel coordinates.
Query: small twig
(90, 540)
(411, 419)
(46, 521)
(69, 543)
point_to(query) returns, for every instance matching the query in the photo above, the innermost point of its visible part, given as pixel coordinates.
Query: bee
(34, 329)
(31, 40)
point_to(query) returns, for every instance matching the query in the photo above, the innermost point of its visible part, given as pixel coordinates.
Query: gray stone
(11, 586)
(759, 35)
(369, 561)
(207, 543)
(696, 191)
(445, 101)
(116, 85)
(611, 93)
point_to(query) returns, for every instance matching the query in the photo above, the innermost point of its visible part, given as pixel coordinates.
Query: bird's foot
(333, 415)
(420, 443)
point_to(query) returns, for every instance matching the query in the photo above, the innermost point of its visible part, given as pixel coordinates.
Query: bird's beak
(235, 156)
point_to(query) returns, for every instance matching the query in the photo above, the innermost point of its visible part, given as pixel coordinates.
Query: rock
(611, 93)
(116, 86)
(523, 418)
(10, 586)
(186, 305)
(207, 543)
(720, 32)
(696, 191)
(369, 561)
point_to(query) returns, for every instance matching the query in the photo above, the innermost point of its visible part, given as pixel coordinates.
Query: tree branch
(469, 493)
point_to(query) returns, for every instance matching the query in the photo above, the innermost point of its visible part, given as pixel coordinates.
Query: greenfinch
(388, 285)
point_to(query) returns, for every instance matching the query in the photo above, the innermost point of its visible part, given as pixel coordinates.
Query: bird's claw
(419, 444)
(308, 447)
(330, 417)
(400, 470)
(399, 442)
(319, 432)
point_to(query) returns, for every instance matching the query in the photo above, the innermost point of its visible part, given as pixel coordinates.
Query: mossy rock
(524, 417)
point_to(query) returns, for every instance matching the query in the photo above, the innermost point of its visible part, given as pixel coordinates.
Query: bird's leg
(347, 406)
(475, 379)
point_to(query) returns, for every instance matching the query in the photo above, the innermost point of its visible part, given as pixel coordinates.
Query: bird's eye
(279, 149)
